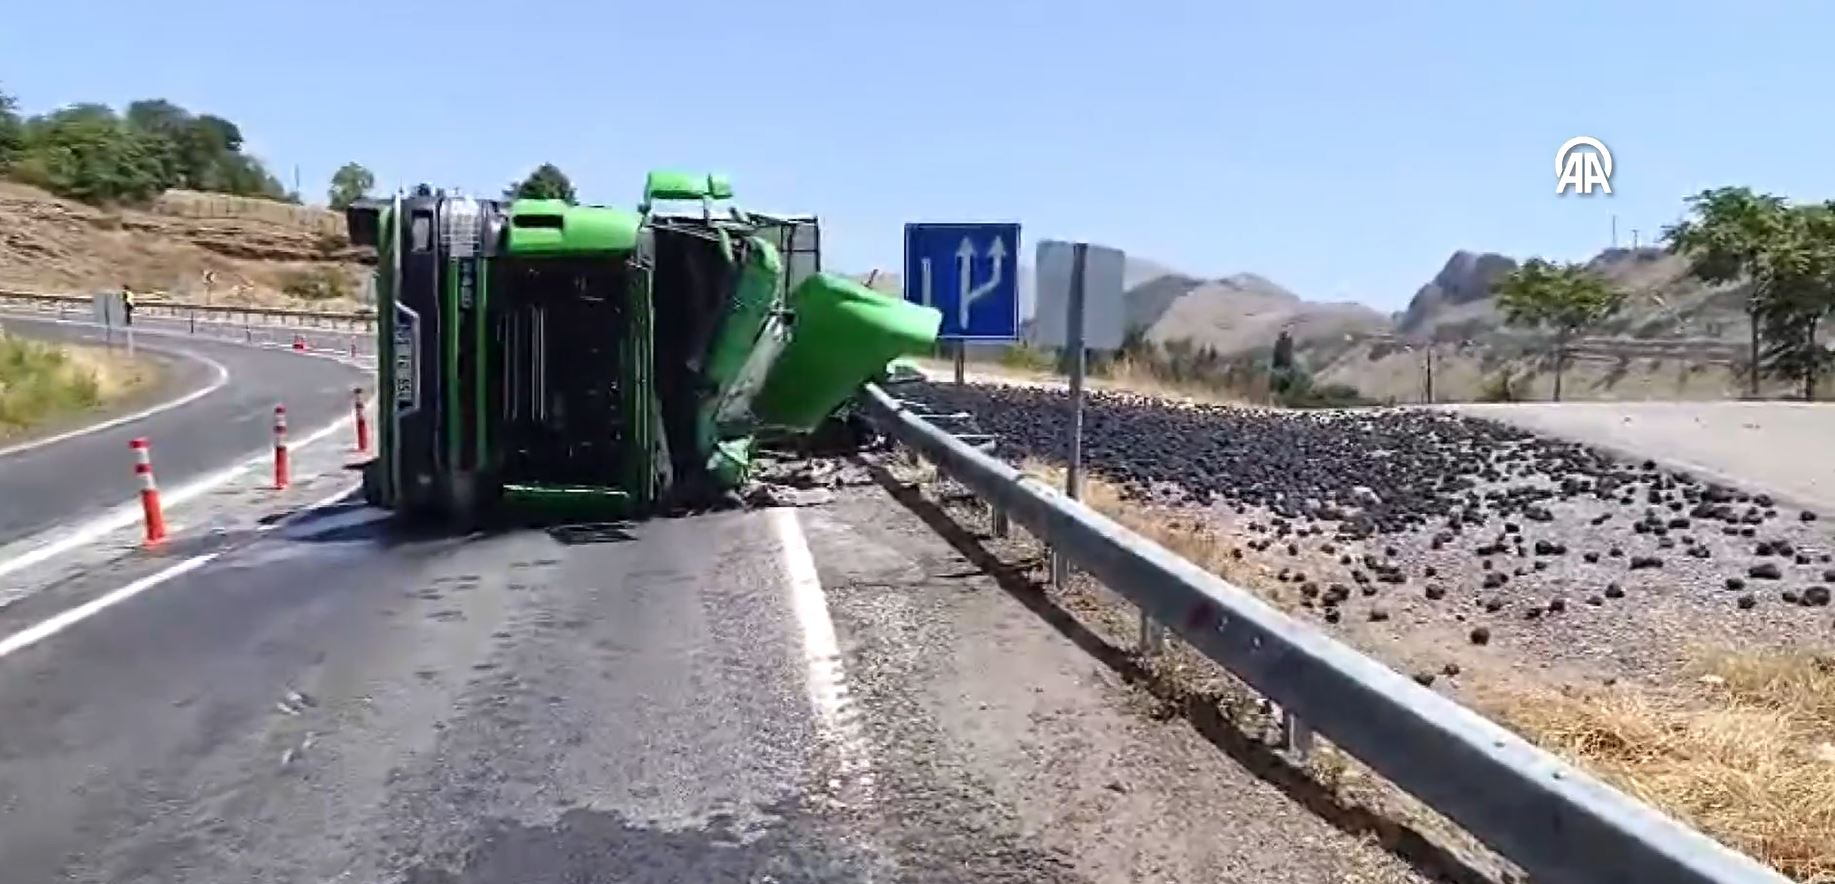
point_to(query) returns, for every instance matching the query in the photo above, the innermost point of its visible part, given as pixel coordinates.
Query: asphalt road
(55, 484)
(667, 701)
(1781, 447)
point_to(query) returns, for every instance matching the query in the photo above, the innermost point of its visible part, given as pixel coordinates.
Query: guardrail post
(1001, 526)
(1152, 636)
(1296, 735)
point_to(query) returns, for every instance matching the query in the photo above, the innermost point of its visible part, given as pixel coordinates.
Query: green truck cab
(596, 361)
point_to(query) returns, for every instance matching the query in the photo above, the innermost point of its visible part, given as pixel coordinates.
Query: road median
(44, 385)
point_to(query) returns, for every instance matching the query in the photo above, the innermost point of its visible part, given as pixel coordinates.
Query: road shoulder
(980, 695)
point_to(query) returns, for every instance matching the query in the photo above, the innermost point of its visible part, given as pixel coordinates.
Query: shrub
(1500, 387)
(316, 284)
(36, 381)
(1026, 357)
(1301, 393)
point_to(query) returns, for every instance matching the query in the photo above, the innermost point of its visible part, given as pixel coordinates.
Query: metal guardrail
(205, 312)
(1549, 817)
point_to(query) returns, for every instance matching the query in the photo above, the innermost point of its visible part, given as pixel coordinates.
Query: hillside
(1663, 301)
(253, 247)
(1676, 338)
(1243, 313)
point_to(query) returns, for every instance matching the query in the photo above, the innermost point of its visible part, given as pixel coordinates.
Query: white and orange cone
(283, 474)
(363, 421)
(149, 492)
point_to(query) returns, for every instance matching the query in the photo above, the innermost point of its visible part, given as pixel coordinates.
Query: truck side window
(420, 231)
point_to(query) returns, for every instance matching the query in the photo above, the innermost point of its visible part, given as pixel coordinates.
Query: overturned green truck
(538, 357)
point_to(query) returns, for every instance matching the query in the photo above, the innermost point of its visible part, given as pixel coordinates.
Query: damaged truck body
(598, 362)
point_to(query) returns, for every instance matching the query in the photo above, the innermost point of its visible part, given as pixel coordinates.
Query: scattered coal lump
(1476, 510)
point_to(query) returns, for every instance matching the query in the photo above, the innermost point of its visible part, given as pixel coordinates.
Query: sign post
(111, 310)
(1073, 476)
(1080, 308)
(962, 270)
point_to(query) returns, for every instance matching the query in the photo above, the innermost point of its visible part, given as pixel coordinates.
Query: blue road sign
(968, 271)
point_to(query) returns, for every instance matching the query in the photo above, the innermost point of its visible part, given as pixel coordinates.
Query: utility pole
(1615, 231)
(1429, 351)
(1634, 241)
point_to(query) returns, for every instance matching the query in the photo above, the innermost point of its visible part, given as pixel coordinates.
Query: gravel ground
(1451, 546)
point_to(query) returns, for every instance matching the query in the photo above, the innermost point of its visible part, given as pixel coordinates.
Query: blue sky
(1341, 149)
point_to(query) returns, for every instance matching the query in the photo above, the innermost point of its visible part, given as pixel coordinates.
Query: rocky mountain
(1662, 300)
(1460, 292)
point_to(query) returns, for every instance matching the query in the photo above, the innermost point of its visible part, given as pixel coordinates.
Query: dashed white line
(836, 722)
(32, 635)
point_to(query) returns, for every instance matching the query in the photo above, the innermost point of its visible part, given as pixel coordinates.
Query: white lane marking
(222, 378)
(55, 624)
(34, 634)
(836, 723)
(129, 513)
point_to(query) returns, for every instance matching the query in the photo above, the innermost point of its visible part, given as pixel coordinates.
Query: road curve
(1780, 447)
(46, 486)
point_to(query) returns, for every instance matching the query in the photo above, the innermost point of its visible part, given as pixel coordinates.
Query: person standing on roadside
(127, 304)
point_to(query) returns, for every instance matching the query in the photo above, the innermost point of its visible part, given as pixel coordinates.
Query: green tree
(12, 131)
(1729, 237)
(1283, 351)
(1567, 299)
(165, 126)
(1281, 368)
(1800, 267)
(87, 153)
(547, 182)
(350, 183)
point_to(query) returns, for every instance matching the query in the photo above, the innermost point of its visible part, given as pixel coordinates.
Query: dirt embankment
(191, 246)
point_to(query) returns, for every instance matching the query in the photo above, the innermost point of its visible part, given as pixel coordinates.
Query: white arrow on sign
(924, 268)
(967, 294)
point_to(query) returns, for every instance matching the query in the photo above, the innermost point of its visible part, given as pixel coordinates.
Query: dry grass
(195, 204)
(41, 383)
(1134, 376)
(115, 374)
(1745, 754)
(1742, 749)
(1194, 537)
